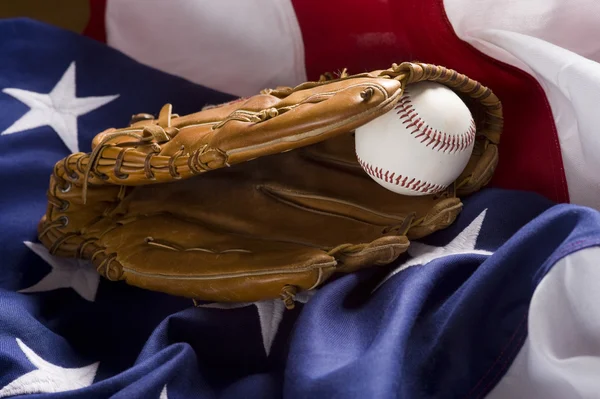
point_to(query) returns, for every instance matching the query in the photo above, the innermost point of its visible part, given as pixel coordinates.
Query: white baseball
(420, 146)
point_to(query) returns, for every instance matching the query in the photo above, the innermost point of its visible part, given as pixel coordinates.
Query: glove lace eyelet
(66, 188)
(64, 206)
(367, 93)
(64, 220)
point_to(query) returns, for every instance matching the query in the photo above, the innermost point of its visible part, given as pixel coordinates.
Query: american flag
(502, 304)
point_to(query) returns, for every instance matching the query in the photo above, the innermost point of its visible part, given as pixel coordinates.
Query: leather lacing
(119, 163)
(172, 159)
(81, 249)
(111, 273)
(178, 248)
(64, 186)
(147, 167)
(108, 267)
(68, 171)
(62, 205)
(62, 221)
(251, 116)
(194, 161)
(150, 135)
(288, 295)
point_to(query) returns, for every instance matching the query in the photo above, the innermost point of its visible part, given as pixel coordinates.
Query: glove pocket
(187, 258)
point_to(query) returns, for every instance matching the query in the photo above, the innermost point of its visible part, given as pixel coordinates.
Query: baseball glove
(257, 198)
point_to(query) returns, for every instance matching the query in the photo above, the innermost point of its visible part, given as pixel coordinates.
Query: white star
(270, 314)
(48, 378)
(163, 393)
(464, 243)
(66, 272)
(58, 109)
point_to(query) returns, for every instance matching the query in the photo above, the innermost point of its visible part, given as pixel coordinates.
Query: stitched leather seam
(441, 141)
(377, 249)
(233, 275)
(284, 195)
(404, 181)
(328, 160)
(319, 279)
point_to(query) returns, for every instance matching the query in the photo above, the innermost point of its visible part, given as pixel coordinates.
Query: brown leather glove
(257, 198)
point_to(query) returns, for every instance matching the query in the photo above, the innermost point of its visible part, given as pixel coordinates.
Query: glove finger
(186, 258)
(487, 112)
(479, 170)
(276, 121)
(379, 252)
(171, 147)
(305, 118)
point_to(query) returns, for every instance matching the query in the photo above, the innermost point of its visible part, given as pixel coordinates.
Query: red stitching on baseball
(409, 115)
(400, 180)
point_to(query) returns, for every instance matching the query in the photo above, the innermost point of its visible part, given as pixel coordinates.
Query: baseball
(420, 146)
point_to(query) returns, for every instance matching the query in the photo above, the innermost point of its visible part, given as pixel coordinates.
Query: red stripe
(370, 34)
(96, 27)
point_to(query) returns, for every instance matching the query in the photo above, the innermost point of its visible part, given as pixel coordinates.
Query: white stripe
(561, 355)
(557, 43)
(237, 47)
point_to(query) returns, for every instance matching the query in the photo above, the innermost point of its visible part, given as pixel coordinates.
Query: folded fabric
(501, 304)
